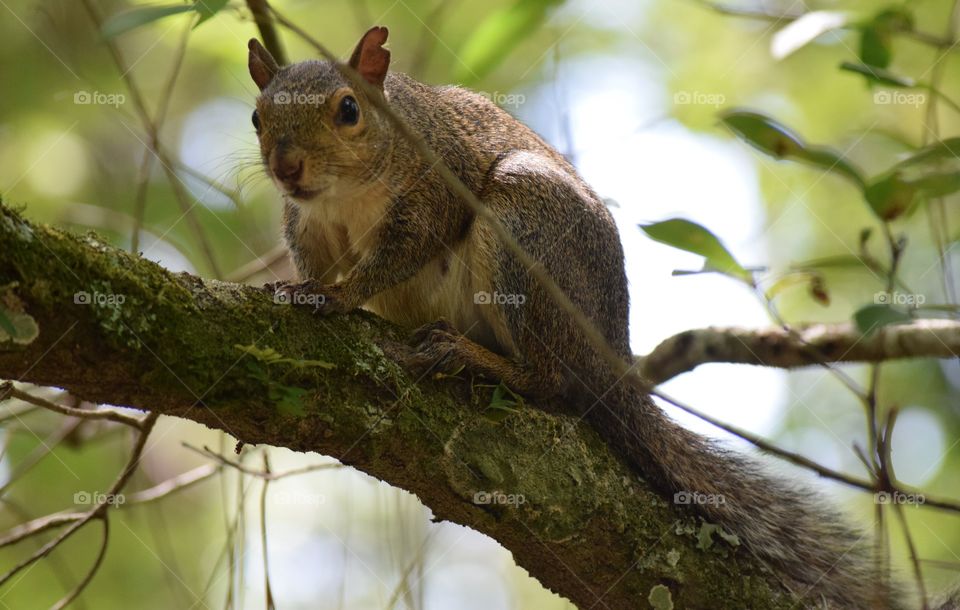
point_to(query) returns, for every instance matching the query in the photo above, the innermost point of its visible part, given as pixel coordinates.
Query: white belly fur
(345, 231)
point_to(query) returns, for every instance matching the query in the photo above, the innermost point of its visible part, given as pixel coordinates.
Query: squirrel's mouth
(302, 194)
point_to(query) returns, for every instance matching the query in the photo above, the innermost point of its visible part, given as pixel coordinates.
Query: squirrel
(369, 223)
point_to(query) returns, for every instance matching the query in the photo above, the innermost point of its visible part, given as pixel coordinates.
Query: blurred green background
(632, 92)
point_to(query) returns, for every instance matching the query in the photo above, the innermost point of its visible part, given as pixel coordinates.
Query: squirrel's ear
(263, 67)
(370, 59)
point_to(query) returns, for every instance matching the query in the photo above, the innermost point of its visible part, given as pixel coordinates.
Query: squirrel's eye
(256, 120)
(349, 111)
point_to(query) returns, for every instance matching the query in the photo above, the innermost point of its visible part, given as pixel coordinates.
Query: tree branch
(804, 346)
(117, 329)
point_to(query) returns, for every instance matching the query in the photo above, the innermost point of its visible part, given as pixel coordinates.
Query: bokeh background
(632, 92)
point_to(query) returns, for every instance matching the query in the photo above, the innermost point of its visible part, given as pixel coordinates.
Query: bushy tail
(792, 528)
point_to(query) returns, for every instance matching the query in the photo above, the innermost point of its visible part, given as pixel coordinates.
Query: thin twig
(97, 511)
(7, 390)
(70, 597)
(146, 163)
(263, 532)
(173, 484)
(914, 558)
(269, 476)
(38, 526)
(154, 140)
(800, 460)
(268, 33)
(45, 448)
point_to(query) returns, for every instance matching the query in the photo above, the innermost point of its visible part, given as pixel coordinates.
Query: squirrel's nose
(287, 169)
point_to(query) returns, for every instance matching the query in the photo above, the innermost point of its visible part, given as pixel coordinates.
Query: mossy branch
(117, 329)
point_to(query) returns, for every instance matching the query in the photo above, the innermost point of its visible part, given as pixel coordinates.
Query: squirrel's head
(319, 137)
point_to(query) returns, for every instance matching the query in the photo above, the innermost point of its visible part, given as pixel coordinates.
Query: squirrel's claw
(324, 298)
(274, 286)
(436, 349)
(421, 335)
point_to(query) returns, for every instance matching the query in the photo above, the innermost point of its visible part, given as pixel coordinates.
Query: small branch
(153, 143)
(97, 512)
(777, 348)
(263, 533)
(38, 526)
(105, 541)
(45, 448)
(805, 462)
(173, 484)
(268, 33)
(263, 474)
(8, 391)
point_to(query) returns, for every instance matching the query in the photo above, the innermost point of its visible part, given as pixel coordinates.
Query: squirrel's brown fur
(368, 222)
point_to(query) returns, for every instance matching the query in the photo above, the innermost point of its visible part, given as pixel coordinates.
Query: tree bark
(802, 346)
(117, 329)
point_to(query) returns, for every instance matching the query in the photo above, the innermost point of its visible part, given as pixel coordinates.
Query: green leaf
(879, 75)
(839, 261)
(776, 140)
(763, 133)
(804, 30)
(207, 9)
(831, 160)
(497, 35)
(939, 184)
(690, 236)
(504, 399)
(872, 317)
(933, 171)
(136, 17)
(944, 150)
(876, 35)
(875, 46)
(890, 196)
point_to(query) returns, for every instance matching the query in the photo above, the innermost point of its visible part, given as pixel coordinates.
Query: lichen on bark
(587, 526)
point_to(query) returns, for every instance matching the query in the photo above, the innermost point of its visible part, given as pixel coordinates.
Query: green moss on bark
(587, 528)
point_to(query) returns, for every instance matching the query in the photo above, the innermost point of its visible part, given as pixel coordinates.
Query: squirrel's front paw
(274, 286)
(323, 298)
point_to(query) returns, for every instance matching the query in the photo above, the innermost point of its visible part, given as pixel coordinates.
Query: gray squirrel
(369, 223)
